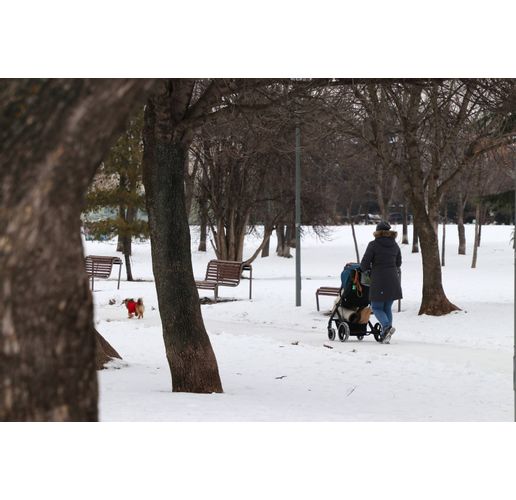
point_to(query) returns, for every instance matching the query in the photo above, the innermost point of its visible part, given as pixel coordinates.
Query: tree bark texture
(280, 238)
(477, 238)
(203, 229)
(460, 224)
(283, 247)
(415, 238)
(189, 186)
(105, 352)
(267, 243)
(483, 215)
(192, 362)
(230, 235)
(434, 301)
(53, 135)
(129, 215)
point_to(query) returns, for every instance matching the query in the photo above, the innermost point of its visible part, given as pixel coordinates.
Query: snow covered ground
(272, 355)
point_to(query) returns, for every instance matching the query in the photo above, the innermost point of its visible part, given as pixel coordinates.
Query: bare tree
(178, 108)
(414, 127)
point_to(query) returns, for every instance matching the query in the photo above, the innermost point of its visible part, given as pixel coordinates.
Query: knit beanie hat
(383, 226)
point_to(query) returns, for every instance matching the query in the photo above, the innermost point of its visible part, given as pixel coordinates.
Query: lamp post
(298, 216)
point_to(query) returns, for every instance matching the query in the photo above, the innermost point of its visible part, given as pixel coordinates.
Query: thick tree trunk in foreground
(53, 135)
(192, 362)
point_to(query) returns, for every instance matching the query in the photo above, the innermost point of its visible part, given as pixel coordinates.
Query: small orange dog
(134, 308)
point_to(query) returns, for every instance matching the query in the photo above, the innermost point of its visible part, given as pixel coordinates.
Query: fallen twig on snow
(351, 391)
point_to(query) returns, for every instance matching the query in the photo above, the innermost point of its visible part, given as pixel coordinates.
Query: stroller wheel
(360, 337)
(377, 332)
(331, 333)
(344, 332)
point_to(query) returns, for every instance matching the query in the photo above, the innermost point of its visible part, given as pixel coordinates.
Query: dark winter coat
(383, 258)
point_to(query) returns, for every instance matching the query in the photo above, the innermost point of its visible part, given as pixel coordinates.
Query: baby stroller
(351, 311)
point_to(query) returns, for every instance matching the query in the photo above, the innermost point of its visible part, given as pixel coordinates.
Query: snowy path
(489, 359)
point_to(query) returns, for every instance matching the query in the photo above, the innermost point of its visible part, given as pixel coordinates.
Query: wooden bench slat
(207, 285)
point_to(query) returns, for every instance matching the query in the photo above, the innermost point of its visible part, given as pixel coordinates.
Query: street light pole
(298, 216)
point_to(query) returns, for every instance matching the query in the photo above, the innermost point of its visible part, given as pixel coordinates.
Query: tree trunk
(434, 301)
(127, 244)
(53, 135)
(380, 199)
(267, 241)
(189, 187)
(483, 214)
(266, 237)
(415, 238)
(287, 242)
(280, 236)
(122, 213)
(291, 235)
(283, 249)
(192, 362)
(443, 243)
(405, 239)
(241, 239)
(355, 241)
(460, 224)
(203, 229)
(477, 237)
(105, 352)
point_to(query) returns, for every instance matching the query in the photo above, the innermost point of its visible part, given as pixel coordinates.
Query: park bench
(326, 290)
(98, 266)
(224, 273)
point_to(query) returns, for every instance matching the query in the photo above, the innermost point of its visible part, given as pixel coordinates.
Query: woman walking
(383, 258)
